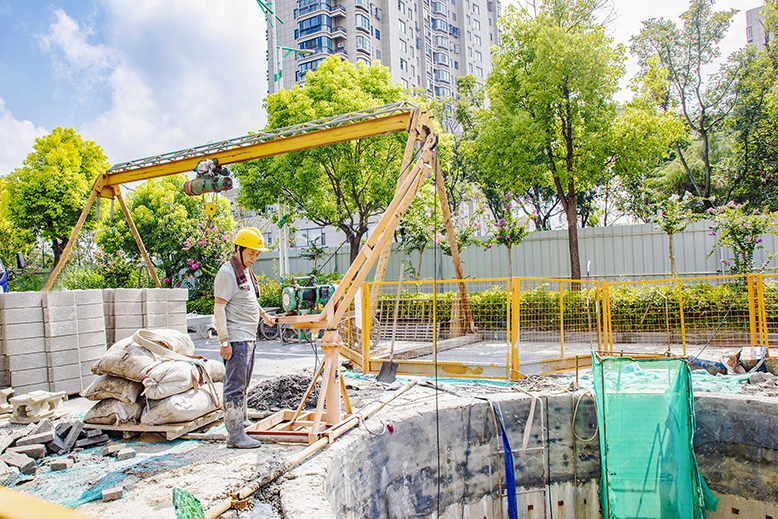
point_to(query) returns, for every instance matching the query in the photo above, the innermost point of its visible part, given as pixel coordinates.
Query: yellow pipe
(683, 323)
(515, 315)
(561, 320)
(752, 309)
(365, 330)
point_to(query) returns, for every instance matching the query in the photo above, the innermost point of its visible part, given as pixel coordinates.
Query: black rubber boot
(233, 421)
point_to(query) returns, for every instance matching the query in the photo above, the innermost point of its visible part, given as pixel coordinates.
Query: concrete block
(23, 315)
(90, 339)
(111, 450)
(123, 333)
(30, 377)
(129, 321)
(125, 454)
(107, 294)
(91, 442)
(43, 426)
(27, 388)
(25, 464)
(30, 361)
(92, 353)
(61, 464)
(90, 311)
(62, 428)
(177, 294)
(88, 297)
(59, 358)
(154, 321)
(36, 451)
(155, 294)
(64, 342)
(124, 308)
(67, 371)
(59, 329)
(63, 298)
(155, 307)
(14, 332)
(7, 472)
(91, 433)
(21, 346)
(56, 445)
(59, 313)
(90, 325)
(177, 322)
(128, 295)
(113, 493)
(36, 439)
(35, 406)
(73, 433)
(22, 299)
(70, 386)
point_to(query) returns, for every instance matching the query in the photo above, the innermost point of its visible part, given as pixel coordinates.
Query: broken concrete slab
(73, 433)
(125, 454)
(25, 464)
(62, 464)
(33, 439)
(112, 494)
(36, 451)
(111, 450)
(91, 442)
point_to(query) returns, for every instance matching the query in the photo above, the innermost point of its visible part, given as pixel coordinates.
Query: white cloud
(187, 72)
(83, 65)
(17, 137)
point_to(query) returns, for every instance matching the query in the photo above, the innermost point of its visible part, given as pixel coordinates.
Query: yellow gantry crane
(398, 117)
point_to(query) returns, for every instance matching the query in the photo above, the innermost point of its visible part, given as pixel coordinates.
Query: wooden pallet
(170, 431)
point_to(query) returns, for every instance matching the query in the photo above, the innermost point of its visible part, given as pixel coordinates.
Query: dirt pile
(284, 392)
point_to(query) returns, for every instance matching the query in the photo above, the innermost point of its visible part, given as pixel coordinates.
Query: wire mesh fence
(682, 316)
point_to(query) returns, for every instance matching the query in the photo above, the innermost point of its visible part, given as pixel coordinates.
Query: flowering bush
(118, 270)
(673, 215)
(509, 229)
(740, 231)
(200, 259)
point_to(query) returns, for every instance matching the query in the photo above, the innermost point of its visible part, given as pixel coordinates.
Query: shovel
(389, 369)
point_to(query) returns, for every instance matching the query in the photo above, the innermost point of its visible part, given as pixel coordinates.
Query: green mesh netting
(645, 413)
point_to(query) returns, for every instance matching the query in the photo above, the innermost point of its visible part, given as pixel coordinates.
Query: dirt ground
(212, 472)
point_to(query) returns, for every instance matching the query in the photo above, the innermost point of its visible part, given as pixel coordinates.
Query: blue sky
(143, 77)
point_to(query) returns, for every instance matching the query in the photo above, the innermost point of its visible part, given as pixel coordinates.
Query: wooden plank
(170, 431)
(136, 235)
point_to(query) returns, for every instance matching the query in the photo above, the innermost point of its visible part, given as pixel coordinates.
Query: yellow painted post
(435, 324)
(683, 324)
(597, 307)
(513, 366)
(606, 317)
(762, 313)
(752, 309)
(365, 327)
(561, 321)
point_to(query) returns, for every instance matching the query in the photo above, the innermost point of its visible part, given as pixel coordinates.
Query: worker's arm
(220, 322)
(269, 319)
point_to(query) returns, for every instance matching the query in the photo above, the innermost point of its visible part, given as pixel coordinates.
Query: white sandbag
(173, 340)
(107, 386)
(125, 359)
(183, 407)
(176, 376)
(113, 412)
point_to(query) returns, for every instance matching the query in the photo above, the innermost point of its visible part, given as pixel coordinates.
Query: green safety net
(645, 414)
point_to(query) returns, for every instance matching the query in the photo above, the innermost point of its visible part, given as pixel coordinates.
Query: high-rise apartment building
(425, 43)
(755, 30)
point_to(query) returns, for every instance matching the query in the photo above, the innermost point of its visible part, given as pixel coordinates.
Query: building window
(477, 40)
(750, 34)
(476, 9)
(439, 24)
(366, 61)
(470, 52)
(314, 24)
(467, 19)
(405, 84)
(363, 44)
(401, 7)
(377, 34)
(479, 56)
(363, 22)
(403, 65)
(403, 46)
(469, 36)
(470, 68)
(477, 24)
(456, 65)
(479, 72)
(402, 27)
(441, 58)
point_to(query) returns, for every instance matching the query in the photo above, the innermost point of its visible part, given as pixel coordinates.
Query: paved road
(272, 358)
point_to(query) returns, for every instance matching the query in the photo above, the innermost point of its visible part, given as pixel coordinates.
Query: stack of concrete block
(75, 337)
(127, 312)
(165, 308)
(108, 315)
(24, 341)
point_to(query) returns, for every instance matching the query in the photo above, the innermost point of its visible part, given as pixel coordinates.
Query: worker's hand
(270, 320)
(225, 351)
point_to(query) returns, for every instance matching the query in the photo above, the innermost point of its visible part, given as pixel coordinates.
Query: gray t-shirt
(242, 305)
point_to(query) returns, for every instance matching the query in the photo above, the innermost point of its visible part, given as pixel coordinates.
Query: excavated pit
(388, 467)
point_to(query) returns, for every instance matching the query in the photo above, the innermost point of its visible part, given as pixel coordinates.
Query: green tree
(12, 238)
(175, 230)
(49, 192)
(741, 230)
(343, 185)
(673, 215)
(416, 229)
(552, 107)
(509, 230)
(704, 102)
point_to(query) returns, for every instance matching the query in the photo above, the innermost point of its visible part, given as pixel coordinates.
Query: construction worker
(236, 313)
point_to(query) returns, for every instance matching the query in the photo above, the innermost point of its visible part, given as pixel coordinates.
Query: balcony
(313, 30)
(339, 32)
(364, 46)
(342, 51)
(362, 4)
(338, 10)
(318, 50)
(308, 9)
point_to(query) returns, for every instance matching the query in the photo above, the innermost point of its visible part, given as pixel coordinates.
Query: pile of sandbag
(152, 378)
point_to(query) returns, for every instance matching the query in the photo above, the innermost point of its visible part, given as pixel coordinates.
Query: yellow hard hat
(251, 238)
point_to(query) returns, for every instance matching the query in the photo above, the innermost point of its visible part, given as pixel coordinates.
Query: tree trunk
(672, 258)
(354, 241)
(57, 247)
(572, 238)
(421, 257)
(510, 262)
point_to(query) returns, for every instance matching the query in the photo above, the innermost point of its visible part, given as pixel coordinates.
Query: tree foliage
(343, 185)
(174, 228)
(552, 110)
(49, 192)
